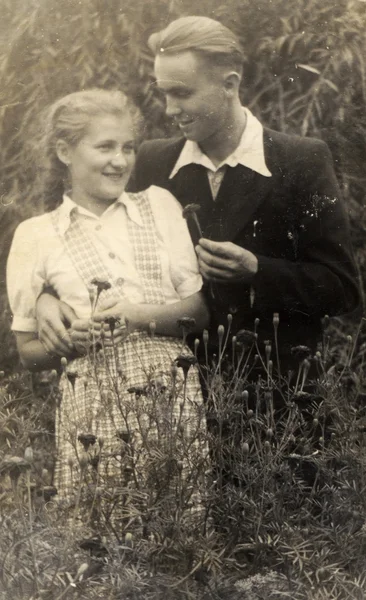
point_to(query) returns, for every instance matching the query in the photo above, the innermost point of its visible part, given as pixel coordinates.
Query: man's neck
(225, 141)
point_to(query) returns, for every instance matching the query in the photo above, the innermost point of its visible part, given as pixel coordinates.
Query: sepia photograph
(182, 318)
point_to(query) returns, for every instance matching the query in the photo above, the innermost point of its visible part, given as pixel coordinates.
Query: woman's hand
(86, 332)
(132, 315)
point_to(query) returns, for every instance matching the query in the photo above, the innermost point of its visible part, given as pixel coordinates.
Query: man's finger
(212, 260)
(213, 273)
(223, 249)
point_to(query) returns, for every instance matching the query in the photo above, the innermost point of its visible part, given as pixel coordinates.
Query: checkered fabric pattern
(83, 253)
(145, 250)
(168, 421)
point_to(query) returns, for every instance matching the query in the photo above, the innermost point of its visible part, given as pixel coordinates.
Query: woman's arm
(165, 316)
(33, 354)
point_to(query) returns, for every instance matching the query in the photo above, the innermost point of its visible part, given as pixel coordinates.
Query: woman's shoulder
(163, 198)
(35, 227)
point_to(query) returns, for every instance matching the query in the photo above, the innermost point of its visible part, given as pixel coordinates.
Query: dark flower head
(185, 362)
(94, 545)
(124, 436)
(87, 439)
(190, 209)
(244, 337)
(48, 492)
(101, 285)
(190, 214)
(72, 378)
(138, 390)
(112, 322)
(301, 352)
(187, 323)
(14, 466)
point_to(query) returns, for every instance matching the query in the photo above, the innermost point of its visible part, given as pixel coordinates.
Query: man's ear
(63, 151)
(232, 83)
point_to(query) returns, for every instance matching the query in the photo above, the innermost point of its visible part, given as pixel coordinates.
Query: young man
(275, 231)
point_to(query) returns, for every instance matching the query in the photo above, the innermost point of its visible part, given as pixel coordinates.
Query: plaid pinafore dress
(125, 416)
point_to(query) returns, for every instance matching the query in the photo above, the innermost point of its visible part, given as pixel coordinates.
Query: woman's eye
(129, 148)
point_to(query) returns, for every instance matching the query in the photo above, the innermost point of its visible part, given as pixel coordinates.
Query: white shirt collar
(68, 206)
(249, 152)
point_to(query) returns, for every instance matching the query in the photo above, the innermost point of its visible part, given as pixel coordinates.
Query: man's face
(195, 94)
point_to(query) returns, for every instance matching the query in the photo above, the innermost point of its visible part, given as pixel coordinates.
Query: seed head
(28, 454)
(276, 320)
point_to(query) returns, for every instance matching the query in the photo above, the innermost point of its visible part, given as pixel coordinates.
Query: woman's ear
(63, 151)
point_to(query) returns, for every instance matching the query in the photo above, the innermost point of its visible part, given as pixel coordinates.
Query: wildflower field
(272, 502)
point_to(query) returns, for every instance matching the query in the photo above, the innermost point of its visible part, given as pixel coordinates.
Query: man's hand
(54, 318)
(225, 262)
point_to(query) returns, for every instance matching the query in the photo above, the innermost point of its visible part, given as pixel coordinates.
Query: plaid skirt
(128, 419)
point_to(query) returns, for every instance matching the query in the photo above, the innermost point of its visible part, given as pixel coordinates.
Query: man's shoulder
(290, 149)
(291, 140)
(161, 146)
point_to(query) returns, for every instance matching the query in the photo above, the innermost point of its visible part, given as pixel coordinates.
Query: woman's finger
(54, 344)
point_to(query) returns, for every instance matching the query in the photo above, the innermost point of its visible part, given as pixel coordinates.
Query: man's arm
(54, 318)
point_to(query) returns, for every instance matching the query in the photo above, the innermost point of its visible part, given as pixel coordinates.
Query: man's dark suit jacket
(294, 222)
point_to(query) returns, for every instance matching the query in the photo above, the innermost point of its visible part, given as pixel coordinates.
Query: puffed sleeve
(25, 276)
(184, 271)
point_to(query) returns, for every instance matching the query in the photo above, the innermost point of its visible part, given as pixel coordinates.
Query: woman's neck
(93, 205)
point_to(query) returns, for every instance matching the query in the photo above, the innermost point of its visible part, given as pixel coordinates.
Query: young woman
(126, 267)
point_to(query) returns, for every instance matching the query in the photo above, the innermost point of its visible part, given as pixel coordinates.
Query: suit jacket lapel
(241, 193)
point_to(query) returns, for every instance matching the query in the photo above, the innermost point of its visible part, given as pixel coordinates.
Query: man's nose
(172, 107)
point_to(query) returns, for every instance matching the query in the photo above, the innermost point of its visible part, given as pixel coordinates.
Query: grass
(279, 508)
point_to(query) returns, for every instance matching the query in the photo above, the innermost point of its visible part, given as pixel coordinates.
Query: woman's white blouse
(38, 257)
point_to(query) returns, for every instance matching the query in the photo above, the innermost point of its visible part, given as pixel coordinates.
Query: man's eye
(105, 147)
(183, 93)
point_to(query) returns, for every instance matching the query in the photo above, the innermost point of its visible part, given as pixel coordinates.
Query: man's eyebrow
(175, 87)
(171, 84)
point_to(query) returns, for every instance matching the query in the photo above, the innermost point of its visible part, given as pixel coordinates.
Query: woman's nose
(119, 159)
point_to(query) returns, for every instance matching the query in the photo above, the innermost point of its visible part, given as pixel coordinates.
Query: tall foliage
(305, 73)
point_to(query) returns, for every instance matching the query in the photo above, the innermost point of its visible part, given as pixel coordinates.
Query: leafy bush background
(305, 73)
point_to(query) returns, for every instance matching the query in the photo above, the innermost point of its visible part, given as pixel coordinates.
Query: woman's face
(101, 163)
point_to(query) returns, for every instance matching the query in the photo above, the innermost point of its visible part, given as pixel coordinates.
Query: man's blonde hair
(203, 35)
